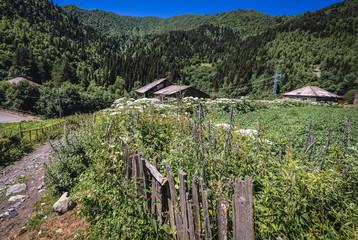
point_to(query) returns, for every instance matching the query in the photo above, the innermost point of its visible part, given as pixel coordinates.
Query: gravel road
(31, 168)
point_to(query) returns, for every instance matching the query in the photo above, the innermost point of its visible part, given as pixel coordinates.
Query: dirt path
(31, 171)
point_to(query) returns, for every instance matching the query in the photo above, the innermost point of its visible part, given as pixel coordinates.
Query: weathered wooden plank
(174, 199)
(234, 223)
(190, 218)
(30, 135)
(182, 193)
(208, 234)
(171, 218)
(37, 134)
(128, 164)
(143, 182)
(244, 212)
(109, 129)
(134, 166)
(155, 173)
(222, 212)
(196, 208)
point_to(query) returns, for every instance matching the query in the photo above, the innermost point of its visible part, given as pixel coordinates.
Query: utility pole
(59, 102)
(275, 77)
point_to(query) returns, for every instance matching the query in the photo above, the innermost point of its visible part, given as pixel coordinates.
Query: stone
(11, 214)
(59, 231)
(16, 205)
(64, 204)
(18, 198)
(17, 188)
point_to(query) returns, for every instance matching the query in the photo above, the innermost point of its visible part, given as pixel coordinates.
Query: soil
(29, 170)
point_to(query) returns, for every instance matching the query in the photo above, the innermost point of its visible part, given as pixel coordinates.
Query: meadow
(304, 174)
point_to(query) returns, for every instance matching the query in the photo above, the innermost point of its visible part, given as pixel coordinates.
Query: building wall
(312, 99)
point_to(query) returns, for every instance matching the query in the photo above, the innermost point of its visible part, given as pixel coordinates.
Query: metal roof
(18, 79)
(171, 90)
(149, 86)
(311, 91)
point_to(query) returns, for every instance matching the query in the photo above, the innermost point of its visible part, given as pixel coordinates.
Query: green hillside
(226, 54)
(245, 22)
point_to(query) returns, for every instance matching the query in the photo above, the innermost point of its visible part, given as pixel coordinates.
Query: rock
(59, 230)
(16, 205)
(11, 214)
(17, 188)
(41, 186)
(18, 198)
(63, 204)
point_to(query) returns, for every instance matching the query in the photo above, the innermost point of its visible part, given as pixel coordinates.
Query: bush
(13, 149)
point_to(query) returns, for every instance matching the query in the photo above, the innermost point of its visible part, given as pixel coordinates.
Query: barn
(313, 94)
(178, 90)
(149, 89)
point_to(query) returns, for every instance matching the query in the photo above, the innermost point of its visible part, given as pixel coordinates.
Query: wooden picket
(182, 212)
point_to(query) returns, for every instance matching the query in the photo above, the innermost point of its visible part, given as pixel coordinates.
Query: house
(19, 79)
(149, 89)
(313, 94)
(177, 90)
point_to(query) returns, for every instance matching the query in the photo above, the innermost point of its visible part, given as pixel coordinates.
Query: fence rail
(182, 210)
(33, 134)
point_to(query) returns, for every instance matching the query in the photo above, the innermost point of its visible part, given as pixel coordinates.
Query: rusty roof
(19, 79)
(171, 90)
(311, 91)
(149, 86)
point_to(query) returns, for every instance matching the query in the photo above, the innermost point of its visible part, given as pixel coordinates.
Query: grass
(10, 129)
(41, 211)
(284, 124)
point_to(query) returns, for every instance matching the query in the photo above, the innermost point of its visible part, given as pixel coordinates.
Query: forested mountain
(244, 22)
(225, 51)
(101, 55)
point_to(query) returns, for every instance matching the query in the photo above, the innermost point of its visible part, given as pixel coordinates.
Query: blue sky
(164, 9)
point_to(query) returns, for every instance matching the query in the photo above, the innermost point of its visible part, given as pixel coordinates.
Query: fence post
(243, 212)
(21, 135)
(190, 217)
(208, 234)
(30, 135)
(222, 210)
(196, 208)
(174, 202)
(183, 206)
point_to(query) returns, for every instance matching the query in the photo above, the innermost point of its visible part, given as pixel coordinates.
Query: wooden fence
(184, 213)
(33, 134)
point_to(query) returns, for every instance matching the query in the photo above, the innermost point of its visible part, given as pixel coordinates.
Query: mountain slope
(245, 22)
(39, 46)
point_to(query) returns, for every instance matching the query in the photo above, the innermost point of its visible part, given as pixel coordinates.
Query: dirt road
(30, 170)
(8, 118)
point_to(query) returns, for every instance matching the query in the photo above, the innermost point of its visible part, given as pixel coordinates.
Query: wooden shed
(176, 90)
(149, 89)
(313, 94)
(19, 79)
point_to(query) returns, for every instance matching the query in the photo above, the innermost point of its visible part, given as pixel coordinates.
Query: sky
(164, 9)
